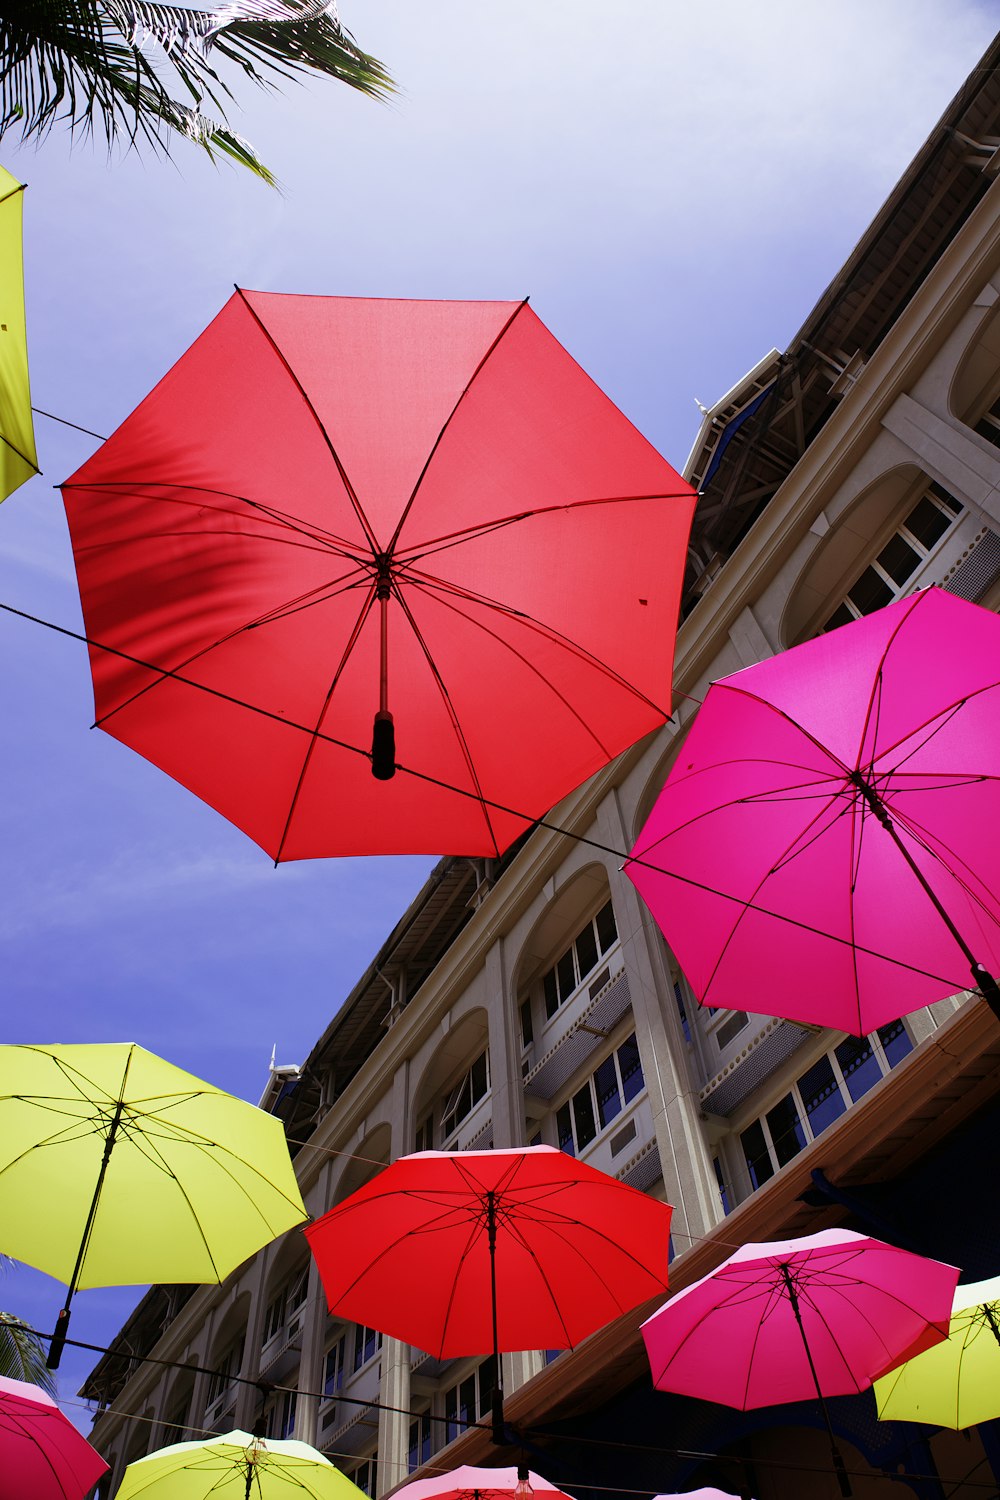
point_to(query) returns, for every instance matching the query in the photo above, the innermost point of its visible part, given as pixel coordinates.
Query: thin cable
(75, 425)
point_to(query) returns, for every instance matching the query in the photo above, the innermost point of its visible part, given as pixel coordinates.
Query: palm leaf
(93, 63)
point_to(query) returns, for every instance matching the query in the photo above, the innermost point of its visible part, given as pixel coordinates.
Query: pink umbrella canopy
(469, 1483)
(42, 1455)
(735, 1336)
(825, 846)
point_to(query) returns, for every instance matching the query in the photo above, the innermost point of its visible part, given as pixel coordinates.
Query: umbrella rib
(314, 737)
(939, 714)
(472, 533)
(266, 618)
(23, 456)
(748, 906)
(318, 536)
(743, 692)
(437, 588)
(876, 688)
(453, 716)
(921, 837)
(355, 502)
(447, 422)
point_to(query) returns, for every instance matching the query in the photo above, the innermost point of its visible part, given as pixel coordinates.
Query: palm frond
(93, 64)
(22, 1356)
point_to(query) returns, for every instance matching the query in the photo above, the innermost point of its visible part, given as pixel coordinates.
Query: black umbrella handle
(383, 732)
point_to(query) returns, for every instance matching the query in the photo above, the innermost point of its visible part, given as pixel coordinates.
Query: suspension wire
(75, 425)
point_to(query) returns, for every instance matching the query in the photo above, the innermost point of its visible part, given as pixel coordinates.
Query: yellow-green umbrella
(18, 459)
(957, 1383)
(236, 1466)
(118, 1168)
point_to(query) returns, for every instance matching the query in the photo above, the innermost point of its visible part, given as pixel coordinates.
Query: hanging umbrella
(824, 847)
(42, 1455)
(526, 1249)
(18, 459)
(339, 525)
(236, 1466)
(469, 1483)
(822, 1315)
(957, 1383)
(118, 1168)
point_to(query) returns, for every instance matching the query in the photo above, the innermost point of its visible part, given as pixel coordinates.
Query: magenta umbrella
(42, 1455)
(822, 1315)
(825, 847)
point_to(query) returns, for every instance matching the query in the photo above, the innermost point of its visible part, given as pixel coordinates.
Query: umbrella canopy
(574, 1249)
(18, 459)
(117, 1167)
(236, 1466)
(42, 1455)
(824, 846)
(469, 1483)
(861, 1303)
(340, 520)
(957, 1383)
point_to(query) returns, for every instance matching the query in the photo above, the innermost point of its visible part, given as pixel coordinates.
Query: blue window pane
(821, 1095)
(609, 1099)
(631, 1068)
(859, 1065)
(786, 1130)
(895, 1042)
(758, 1158)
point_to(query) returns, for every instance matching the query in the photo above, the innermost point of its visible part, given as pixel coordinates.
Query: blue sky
(672, 185)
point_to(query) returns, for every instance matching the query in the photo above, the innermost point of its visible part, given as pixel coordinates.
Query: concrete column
(749, 638)
(394, 1387)
(393, 1426)
(248, 1400)
(311, 1360)
(506, 1087)
(967, 465)
(688, 1175)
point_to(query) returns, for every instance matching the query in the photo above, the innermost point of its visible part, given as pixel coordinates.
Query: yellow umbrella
(118, 1168)
(957, 1383)
(236, 1466)
(18, 459)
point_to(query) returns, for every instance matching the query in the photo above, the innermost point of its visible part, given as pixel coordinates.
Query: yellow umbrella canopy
(957, 1383)
(18, 459)
(236, 1466)
(118, 1168)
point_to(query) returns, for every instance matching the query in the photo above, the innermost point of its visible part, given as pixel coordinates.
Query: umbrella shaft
(383, 660)
(838, 1462)
(491, 1239)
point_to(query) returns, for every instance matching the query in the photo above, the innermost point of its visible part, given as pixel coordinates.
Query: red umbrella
(825, 845)
(42, 1455)
(338, 520)
(481, 1251)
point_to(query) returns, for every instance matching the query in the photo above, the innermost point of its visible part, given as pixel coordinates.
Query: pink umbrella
(468, 1483)
(825, 846)
(822, 1315)
(41, 1453)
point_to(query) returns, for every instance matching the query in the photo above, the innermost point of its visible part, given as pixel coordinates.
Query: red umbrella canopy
(409, 1252)
(825, 847)
(336, 508)
(42, 1455)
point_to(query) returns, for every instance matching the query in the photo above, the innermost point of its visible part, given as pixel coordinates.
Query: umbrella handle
(383, 733)
(58, 1341)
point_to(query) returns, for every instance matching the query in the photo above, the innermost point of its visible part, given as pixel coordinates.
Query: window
(280, 1415)
(821, 1095)
(365, 1476)
(910, 545)
(592, 1108)
(367, 1343)
(274, 1318)
(988, 425)
(580, 959)
(730, 1029)
(225, 1372)
(720, 1179)
(527, 1031)
(465, 1096)
(470, 1400)
(419, 1450)
(298, 1290)
(424, 1139)
(333, 1367)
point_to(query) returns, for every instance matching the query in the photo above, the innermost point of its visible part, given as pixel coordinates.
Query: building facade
(533, 999)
